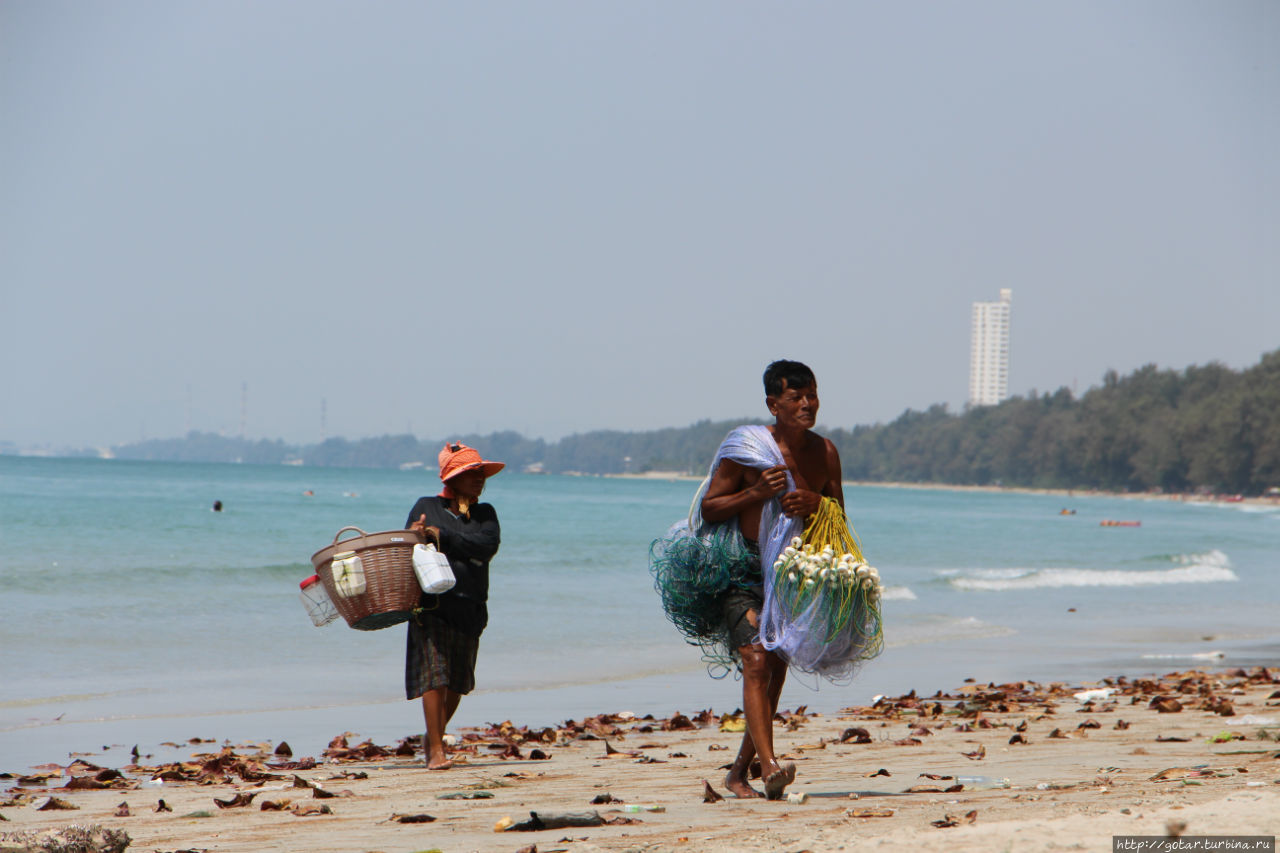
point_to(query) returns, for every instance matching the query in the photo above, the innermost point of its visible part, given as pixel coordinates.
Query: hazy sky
(556, 217)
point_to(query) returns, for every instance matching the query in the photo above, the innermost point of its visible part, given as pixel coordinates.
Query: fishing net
(692, 572)
(827, 631)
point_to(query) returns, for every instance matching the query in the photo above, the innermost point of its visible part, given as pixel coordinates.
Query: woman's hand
(426, 531)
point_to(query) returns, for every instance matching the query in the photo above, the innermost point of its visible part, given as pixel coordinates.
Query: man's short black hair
(793, 373)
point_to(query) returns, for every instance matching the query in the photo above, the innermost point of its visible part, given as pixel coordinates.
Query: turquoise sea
(131, 613)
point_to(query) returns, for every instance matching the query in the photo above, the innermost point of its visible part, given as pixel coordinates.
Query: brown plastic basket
(391, 587)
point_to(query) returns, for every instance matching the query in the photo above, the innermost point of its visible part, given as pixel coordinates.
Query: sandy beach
(1191, 753)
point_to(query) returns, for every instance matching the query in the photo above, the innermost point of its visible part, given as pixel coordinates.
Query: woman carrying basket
(444, 635)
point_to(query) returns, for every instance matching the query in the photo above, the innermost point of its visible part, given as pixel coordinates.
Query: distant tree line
(1206, 427)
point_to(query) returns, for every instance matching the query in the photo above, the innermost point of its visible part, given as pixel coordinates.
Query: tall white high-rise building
(989, 351)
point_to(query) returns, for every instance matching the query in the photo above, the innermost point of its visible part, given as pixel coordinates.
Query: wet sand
(1079, 773)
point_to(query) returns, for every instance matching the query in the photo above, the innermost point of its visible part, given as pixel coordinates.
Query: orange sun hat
(457, 457)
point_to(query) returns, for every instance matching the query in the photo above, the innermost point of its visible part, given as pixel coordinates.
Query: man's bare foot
(439, 764)
(777, 781)
(739, 787)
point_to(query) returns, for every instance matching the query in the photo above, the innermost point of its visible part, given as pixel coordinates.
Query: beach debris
(339, 750)
(122, 810)
(1171, 739)
(883, 772)
(283, 749)
(797, 798)
(610, 752)
(1089, 724)
(538, 821)
(162, 806)
(1018, 739)
(1165, 705)
(710, 794)
(238, 801)
(1175, 828)
(636, 808)
(278, 805)
(868, 813)
(977, 755)
(856, 734)
(602, 799)
(72, 839)
(310, 809)
(412, 818)
(951, 820)
(466, 795)
(1176, 774)
(731, 723)
(1226, 737)
(1094, 695)
(46, 804)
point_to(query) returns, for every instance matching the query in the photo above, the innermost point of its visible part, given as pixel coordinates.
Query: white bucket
(432, 569)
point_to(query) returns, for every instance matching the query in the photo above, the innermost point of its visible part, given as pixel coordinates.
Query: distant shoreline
(1180, 497)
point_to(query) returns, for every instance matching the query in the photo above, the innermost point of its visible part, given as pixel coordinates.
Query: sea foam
(1211, 567)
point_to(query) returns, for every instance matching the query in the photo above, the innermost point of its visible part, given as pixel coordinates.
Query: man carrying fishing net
(765, 574)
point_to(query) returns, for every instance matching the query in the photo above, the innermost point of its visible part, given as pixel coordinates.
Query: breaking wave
(1211, 567)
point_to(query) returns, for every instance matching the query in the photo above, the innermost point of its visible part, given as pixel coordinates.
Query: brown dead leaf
(923, 789)
(880, 772)
(868, 813)
(1090, 724)
(284, 749)
(413, 818)
(1171, 739)
(309, 809)
(122, 810)
(855, 735)
(279, 805)
(238, 801)
(710, 794)
(1018, 739)
(54, 804)
(1057, 733)
(162, 806)
(977, 755)
(1165, 705)
(1122, 725)
(946, 821)
(934, 776)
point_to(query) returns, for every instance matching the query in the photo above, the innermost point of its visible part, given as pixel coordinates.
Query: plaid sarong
(437, 655)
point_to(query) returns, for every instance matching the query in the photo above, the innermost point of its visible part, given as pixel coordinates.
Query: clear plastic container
(319, 606)
(975, 783)
(348, 574)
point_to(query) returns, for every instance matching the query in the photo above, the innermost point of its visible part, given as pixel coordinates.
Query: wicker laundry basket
(391, 587)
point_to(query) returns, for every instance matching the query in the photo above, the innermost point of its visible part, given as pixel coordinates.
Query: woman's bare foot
(442, 763)
(777, 781)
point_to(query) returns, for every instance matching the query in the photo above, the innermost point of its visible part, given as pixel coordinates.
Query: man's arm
(728, 493)
(834, 487)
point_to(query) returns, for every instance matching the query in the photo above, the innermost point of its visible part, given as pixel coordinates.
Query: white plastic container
(432, 569)
(319, 606)
(348, 574)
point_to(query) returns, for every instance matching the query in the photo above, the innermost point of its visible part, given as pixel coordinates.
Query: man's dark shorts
(737, 602)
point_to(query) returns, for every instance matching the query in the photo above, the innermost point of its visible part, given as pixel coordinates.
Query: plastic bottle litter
(319, 606)
(977, 783)
(634, 808)
(348, 574)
